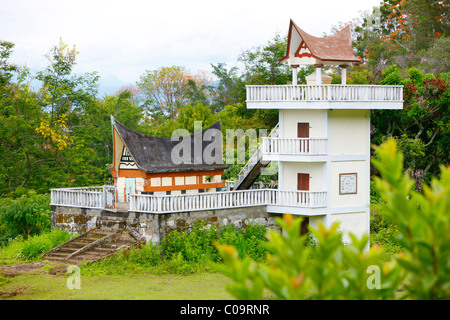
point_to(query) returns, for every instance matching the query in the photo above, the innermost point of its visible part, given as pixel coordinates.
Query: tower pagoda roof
(305, 49)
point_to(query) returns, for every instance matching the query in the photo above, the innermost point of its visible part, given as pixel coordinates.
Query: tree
(22, 148)
(436, 59)
(166, 89)
(185, 120)
(400, 31)
(95, 130)
(63, 91)
(6, 69)
(262, 64)
(230, 88)
(421, 128)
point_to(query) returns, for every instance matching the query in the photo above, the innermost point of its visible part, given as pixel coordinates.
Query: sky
(122, 39)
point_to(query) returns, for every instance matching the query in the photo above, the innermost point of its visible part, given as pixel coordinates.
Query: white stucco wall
(348, 131)
(315, 170)
(355, 223)
(316, 119)
(345, 200)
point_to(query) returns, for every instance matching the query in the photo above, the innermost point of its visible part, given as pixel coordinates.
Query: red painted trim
(197, 186)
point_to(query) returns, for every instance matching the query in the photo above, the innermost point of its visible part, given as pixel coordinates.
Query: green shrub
(26, 216)
(325, 270)
(382, 231)
(29, 249)
(194, 246)
(422, 221)
(392, 76)
(185, 252)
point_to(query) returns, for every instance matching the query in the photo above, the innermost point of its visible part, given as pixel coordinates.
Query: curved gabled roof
(337, 47)
(154, 154)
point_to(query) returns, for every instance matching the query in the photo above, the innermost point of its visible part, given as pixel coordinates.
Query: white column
(294, 74)
(344, 74)
(318, 73)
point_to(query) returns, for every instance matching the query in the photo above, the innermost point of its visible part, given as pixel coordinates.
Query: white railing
(226, 199)
(88, 197)
(294, 146)
(332, 92)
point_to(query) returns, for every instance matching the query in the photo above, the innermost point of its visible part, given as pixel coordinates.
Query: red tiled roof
(337, 47)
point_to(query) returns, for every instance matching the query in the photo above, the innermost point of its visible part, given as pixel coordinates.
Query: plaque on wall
(347, 183)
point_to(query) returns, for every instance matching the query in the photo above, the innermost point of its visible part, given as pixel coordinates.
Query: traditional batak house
(323, 143)
(144, 164)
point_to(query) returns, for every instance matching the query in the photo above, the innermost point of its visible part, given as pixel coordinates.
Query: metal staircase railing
(254, 160)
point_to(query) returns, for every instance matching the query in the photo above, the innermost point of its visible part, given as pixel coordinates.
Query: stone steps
(92, 246)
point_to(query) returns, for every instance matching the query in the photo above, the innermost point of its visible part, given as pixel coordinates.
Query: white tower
(323, 145)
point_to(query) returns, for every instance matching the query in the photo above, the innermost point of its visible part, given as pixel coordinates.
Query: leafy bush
(26, 216)
(327, 270)
(422, 221)
(392, 76)
(197, 245)
(193, 246)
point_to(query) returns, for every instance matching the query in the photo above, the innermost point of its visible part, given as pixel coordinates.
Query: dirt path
(9, 271)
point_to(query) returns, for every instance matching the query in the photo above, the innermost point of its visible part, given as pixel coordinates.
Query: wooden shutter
(303, 181)
(303, 132)
(303, 185)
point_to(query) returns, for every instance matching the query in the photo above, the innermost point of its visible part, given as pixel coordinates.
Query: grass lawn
(39, 282)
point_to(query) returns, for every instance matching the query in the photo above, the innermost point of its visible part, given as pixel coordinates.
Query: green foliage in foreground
(329, 270)
(423, 224)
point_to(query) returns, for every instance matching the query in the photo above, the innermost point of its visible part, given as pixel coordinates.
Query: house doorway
(304, 226)
(303, 132)
(130, 187)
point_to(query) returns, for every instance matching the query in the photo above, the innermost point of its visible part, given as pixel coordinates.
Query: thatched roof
(154, 154)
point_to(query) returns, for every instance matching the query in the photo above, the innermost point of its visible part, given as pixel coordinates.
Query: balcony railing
(226, 199)
(302, 146)
(86, 197)
(104, 198)
(324, 93)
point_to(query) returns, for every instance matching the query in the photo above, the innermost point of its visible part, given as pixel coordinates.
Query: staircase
(252, 169)
(92, 246)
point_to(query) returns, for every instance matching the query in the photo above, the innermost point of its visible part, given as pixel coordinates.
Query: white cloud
(124, 38)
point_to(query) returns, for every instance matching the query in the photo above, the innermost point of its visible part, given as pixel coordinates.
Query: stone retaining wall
(154, 227)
